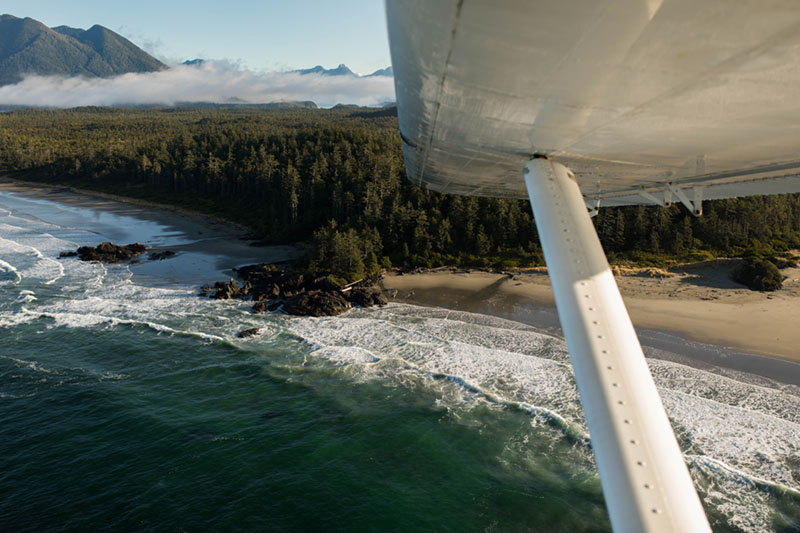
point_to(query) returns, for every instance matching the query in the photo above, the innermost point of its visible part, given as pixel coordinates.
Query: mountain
(341, 70)
(29, 47)
(382, 72)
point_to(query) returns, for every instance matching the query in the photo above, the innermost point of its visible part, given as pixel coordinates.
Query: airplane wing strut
(645, 481)
(626, 102)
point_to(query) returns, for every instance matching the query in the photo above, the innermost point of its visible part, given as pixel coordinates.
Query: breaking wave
(741, 440)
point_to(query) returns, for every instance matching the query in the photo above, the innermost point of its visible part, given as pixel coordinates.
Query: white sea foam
(31, 365)
(29, 262)
(9, 274)
(532, 372)
(62, 375)
(26, 297)
(740, 439)
(752, 430)
(749, 433)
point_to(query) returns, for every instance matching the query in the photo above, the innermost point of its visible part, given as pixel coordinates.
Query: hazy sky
(261, 34)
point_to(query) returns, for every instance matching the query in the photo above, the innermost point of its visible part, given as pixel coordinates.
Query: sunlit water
(133, 405)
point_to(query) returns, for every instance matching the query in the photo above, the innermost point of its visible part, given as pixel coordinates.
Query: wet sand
(206, 248)
(695, 312)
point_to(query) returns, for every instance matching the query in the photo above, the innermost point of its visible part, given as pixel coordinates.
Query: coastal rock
(317, 303)
(226, 291)
(271, 287)
(256, 273)
(252, 332)
(273, 291)
(267, 282)
(292, 286)
(67, 254)
(109, 252)
(366, 296)
(325, 284)
(160, 256)
(246, 289)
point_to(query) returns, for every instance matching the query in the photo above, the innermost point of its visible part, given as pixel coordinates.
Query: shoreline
(30, 186)
(699, 310)
(695, 302)
(206, 248)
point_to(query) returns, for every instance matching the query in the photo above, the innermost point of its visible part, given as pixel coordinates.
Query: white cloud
(151, 46)
(214, 81)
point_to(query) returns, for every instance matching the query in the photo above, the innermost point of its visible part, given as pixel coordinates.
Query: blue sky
(261, 34)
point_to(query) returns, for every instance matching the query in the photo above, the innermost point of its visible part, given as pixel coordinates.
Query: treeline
(335, 179)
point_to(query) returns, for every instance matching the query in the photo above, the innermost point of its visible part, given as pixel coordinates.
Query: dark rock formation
(160, 256)
(226, 291)
(316, 303)
(109, 252)
(271, 287)
(366, 296)
(324, 284)
(252, 332)
(67, 254)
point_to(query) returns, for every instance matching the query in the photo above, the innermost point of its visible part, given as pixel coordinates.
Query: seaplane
(582, 104)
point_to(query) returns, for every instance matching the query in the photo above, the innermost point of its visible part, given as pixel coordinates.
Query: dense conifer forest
(335, 180)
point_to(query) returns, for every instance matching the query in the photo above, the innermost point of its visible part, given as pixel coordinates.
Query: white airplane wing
(630, 95)
(622, 102)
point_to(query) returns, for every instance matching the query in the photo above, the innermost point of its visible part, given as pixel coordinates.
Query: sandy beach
(699, 301)
(206, 248)
(128, 358)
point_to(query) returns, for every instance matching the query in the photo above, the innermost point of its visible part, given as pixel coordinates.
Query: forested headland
(335, 179)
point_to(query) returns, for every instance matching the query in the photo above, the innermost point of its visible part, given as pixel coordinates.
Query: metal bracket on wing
(650, 197)
(695, 206)
(593, 205)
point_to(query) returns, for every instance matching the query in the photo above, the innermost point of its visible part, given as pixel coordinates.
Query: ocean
(127, 402)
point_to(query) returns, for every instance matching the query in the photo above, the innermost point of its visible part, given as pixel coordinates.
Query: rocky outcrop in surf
(252, 332)
(108, 252)
(298, 294)
(317, 303)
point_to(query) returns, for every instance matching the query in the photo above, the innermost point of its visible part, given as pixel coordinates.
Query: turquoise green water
(165, 432)
(133, 406)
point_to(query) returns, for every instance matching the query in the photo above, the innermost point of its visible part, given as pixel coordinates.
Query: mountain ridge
(29, 47)
(342, 70)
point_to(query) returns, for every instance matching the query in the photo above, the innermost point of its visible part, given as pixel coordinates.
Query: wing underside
(632, 96)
